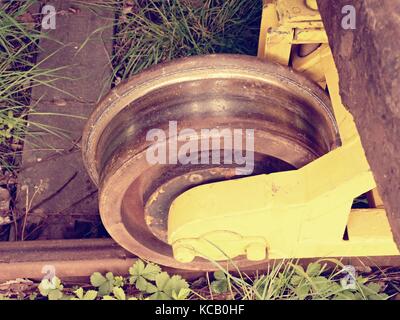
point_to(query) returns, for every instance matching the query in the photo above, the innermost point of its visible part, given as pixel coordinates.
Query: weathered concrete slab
(53, 181)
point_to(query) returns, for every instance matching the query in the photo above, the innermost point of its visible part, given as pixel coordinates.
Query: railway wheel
(291, 117)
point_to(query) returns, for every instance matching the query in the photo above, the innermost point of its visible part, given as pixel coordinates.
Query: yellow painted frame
(296, 214)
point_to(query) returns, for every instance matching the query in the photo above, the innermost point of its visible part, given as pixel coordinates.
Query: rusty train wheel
(292, 119)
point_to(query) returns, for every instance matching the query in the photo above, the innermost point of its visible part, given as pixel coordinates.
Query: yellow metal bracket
(287, 22)
(295, 214)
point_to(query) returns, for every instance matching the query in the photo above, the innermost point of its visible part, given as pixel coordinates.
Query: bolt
(256, 251)
(183, 254)
(296, 10)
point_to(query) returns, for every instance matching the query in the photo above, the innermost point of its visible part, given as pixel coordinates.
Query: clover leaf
(141, 274)
(106, 283)
(52, 289)
(220, 284)
(81, 295)
(167, 287)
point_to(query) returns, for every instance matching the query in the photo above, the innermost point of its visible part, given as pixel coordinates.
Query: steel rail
(73, 259)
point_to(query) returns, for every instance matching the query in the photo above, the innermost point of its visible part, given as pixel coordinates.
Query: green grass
(18, 46)
(152, 31)
(288, 280)
(157, 31)
(19, 73)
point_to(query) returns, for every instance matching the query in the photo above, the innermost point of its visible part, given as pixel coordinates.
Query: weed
(18, 75)
(284, 280)
(152, 31)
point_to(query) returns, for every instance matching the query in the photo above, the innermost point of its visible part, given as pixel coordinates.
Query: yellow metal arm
(295, 214)
(301, 213)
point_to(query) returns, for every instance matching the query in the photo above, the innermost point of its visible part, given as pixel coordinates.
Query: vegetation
(282, 281)
(148, 32)
(19, 73)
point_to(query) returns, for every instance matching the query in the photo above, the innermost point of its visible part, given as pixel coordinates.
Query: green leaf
(219, 286)
(79, 293)
(140, 273)
(141, 284)
(105, 284)
(90, 295)
(374, 287)
(51, 289)
(321, 283)
(119, 293)
(298, 270)
(175, 284)
(137, 269)
(382, 296)
(302, 291)
(159, 296)
(358, 296)
(361, 280)
(105, 288)
(110, 276)
(345, 295)
(97, 279)
(162, 280)
(151, 288)
(44, 287)
(55, 294)
(314, 269)
(371, 291)
(119, 281)
(32, 296)
(181, 295)
(295, 280)
(219, 275)
(56, 282)
(151, 271)
(167, 288)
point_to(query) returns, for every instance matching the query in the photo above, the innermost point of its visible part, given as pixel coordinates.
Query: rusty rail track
(80, 258)
(70, 258)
